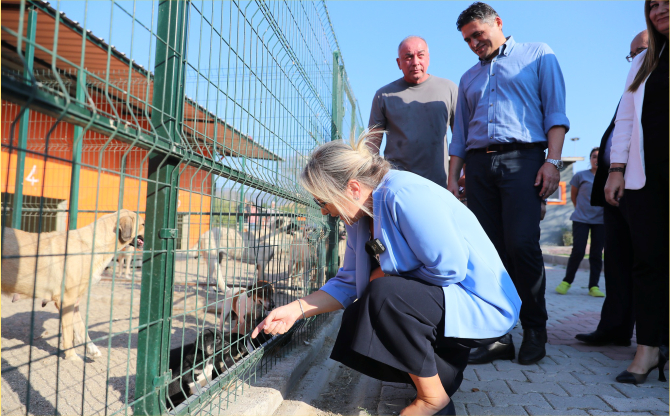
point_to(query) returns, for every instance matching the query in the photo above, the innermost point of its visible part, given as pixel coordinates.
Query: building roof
(100, 60)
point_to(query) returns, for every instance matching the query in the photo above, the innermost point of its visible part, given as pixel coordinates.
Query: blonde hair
(650, 62)
(332, 165)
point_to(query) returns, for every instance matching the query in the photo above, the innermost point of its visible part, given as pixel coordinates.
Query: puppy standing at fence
(33, 266)
(246, 304)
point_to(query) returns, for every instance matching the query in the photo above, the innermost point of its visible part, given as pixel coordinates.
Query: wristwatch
(557, 163)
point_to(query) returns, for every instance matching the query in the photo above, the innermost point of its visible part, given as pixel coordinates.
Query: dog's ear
(125, 229)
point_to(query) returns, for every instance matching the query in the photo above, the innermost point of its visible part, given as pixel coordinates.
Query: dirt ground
(107, 384)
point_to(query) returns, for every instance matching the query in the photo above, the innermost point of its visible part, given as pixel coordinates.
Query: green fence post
(76, 155)
(17, 204)
(335, 134)
(153, 345)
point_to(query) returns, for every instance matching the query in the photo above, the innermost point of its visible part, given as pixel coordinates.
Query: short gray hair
(476, 11)
(332, 165)
(412, 37)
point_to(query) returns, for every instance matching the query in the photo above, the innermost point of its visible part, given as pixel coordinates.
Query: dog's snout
(138, 241)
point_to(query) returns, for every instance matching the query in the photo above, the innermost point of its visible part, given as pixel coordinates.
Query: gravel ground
(104, 385)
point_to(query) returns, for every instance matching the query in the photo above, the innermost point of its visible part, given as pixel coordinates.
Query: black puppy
(237, 346)
(196, 366)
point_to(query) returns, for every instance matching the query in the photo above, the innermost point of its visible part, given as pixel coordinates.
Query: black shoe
(488, 353)
(599, 337)
(634, 378)
(532, 348)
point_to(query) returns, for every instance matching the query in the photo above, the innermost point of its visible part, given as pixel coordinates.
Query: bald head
(413, 59)
(414, 38)
(639, 43)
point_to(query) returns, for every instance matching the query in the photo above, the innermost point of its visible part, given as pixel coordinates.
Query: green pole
(335, 134)
(153, 345)
(24, 123)
(76, 155)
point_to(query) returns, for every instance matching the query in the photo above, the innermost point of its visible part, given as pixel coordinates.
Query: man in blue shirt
(510, 108)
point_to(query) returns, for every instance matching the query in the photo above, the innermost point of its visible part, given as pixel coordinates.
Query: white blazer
(627, 140)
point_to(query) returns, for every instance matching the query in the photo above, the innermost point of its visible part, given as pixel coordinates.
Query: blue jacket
(430, 235)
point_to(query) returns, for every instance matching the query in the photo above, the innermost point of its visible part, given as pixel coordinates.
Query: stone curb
(264, 396)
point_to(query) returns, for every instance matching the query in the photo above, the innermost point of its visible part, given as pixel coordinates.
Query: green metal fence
(182, 125)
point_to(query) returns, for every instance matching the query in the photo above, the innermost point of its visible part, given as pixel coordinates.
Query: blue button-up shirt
(515, 97)
(430, 235)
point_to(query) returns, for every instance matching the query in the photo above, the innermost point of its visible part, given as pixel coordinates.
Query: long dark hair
(656, 41)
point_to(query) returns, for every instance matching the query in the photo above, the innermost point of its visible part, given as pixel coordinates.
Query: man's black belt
(508, 147)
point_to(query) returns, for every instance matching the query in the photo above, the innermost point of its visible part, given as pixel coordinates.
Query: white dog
(220, 243)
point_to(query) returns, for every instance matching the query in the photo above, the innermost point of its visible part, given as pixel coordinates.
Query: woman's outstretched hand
(279, 320)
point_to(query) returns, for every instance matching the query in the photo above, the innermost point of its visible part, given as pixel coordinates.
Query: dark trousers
(617, 318)
(396, 328)
(646, 210)
(580, 236)
(502, 195)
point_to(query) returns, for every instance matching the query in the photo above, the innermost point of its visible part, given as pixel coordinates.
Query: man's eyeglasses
(632, 55)
(320, 204)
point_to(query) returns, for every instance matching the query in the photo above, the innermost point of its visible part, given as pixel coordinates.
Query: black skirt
(396, 329)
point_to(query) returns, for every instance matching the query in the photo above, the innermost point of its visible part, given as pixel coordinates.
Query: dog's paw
(93, 351)
(73, 357)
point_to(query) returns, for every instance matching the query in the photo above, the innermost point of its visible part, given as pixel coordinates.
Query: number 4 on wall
(30, 178)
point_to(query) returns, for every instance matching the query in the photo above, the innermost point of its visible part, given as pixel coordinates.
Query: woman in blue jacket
(433, 288)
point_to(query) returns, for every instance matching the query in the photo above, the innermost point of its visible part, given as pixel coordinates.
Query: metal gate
(150, 155)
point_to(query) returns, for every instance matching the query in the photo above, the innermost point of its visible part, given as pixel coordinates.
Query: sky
(590, 39)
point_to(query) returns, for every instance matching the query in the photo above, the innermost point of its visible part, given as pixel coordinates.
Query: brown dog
(33, 266)
(247, 305)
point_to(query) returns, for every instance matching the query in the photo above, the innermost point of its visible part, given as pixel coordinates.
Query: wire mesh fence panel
(151, 208)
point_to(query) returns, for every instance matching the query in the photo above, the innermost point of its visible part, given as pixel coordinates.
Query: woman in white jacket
(638, 183)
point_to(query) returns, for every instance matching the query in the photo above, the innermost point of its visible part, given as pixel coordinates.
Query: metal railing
(184, 130)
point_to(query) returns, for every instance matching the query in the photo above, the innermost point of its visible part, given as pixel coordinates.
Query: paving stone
(520, 387)
(606, 371)
(460, 408)
(630, 405)
(469, 374)
(505, 365)
(551, 367)
(597, 389)
(552, 377)
(487, 366)
(527, 399)
(541, 411)
(583, 402)
(475, 409)
(489, 386)
(486, 375)
(600, 412)
(637, 392)
(660, 413)
(595, 378)
(478, 397)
